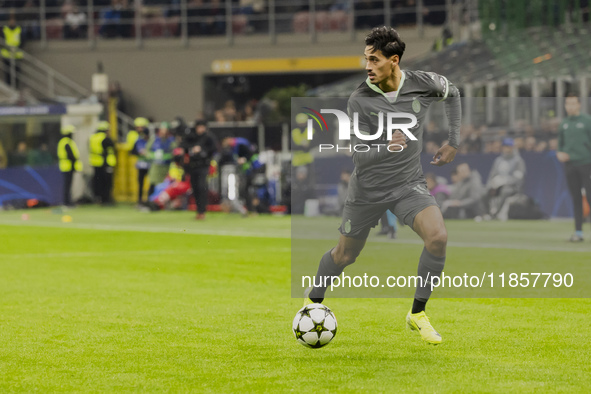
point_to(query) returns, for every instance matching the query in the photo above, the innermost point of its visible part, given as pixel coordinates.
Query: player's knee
(343, 257)
(437, 241)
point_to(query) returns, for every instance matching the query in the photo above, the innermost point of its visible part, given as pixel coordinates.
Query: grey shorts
(359, 219)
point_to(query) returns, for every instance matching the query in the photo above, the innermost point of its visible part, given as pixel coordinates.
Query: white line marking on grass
(126, 252)
(484, 245)
(109, 227)
(240, 233)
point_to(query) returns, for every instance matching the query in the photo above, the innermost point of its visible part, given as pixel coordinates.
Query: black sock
(430, 266)
(418, 306)
(327, 267)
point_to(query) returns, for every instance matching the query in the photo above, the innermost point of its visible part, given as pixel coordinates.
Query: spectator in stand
(465, 200)
(215, 23)
(248, 113)
(52, 9)
(541, 146)
(530, 144)
(117, 20)
(404, 13)
(40, 157)
(431, 147)
(18, 158)
(74, 22)
(493, 147)
(365, 15)
(505, 179)
(30, 18)
(228, 113)
(437, 188)
(195, 9)
(472, 140)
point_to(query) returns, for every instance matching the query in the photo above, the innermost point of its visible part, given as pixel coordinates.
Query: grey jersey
(379, 172)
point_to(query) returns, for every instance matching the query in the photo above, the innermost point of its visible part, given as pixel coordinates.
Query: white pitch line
(124, 252)
(239, 233)
(109, 227)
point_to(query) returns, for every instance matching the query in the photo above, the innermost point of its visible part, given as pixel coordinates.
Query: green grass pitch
(119, 300)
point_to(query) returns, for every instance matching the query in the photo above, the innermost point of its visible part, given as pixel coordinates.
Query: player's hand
(196, 149)
(562, 157)
(398, 140)
(445, 154)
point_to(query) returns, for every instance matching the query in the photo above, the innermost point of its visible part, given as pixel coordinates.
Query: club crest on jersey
(347, 226)
(416, 105)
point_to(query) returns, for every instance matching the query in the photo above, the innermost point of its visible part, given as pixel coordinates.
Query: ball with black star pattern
(314, 326)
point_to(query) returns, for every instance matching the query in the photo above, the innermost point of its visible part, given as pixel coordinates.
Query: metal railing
(181, 20)
(46, 83)
(29, 74)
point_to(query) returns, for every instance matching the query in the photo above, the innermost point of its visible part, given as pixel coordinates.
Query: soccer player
(574, 150)
(394, 180)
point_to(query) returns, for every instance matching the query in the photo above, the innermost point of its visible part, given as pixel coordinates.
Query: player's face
(572, 106)
(378, 67)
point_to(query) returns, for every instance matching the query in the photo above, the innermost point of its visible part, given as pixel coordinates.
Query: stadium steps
(38, 82)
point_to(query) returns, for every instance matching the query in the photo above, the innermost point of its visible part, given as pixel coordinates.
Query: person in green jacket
(574, 150)
(160, 153)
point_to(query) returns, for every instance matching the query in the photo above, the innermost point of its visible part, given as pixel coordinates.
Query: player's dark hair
(572, 93)
(387, 40)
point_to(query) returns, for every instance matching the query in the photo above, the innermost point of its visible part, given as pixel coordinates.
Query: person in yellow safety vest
(13, 42)
(103, 160)
(69, 161)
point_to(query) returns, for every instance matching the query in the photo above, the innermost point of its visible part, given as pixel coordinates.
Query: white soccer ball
(314, 326)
